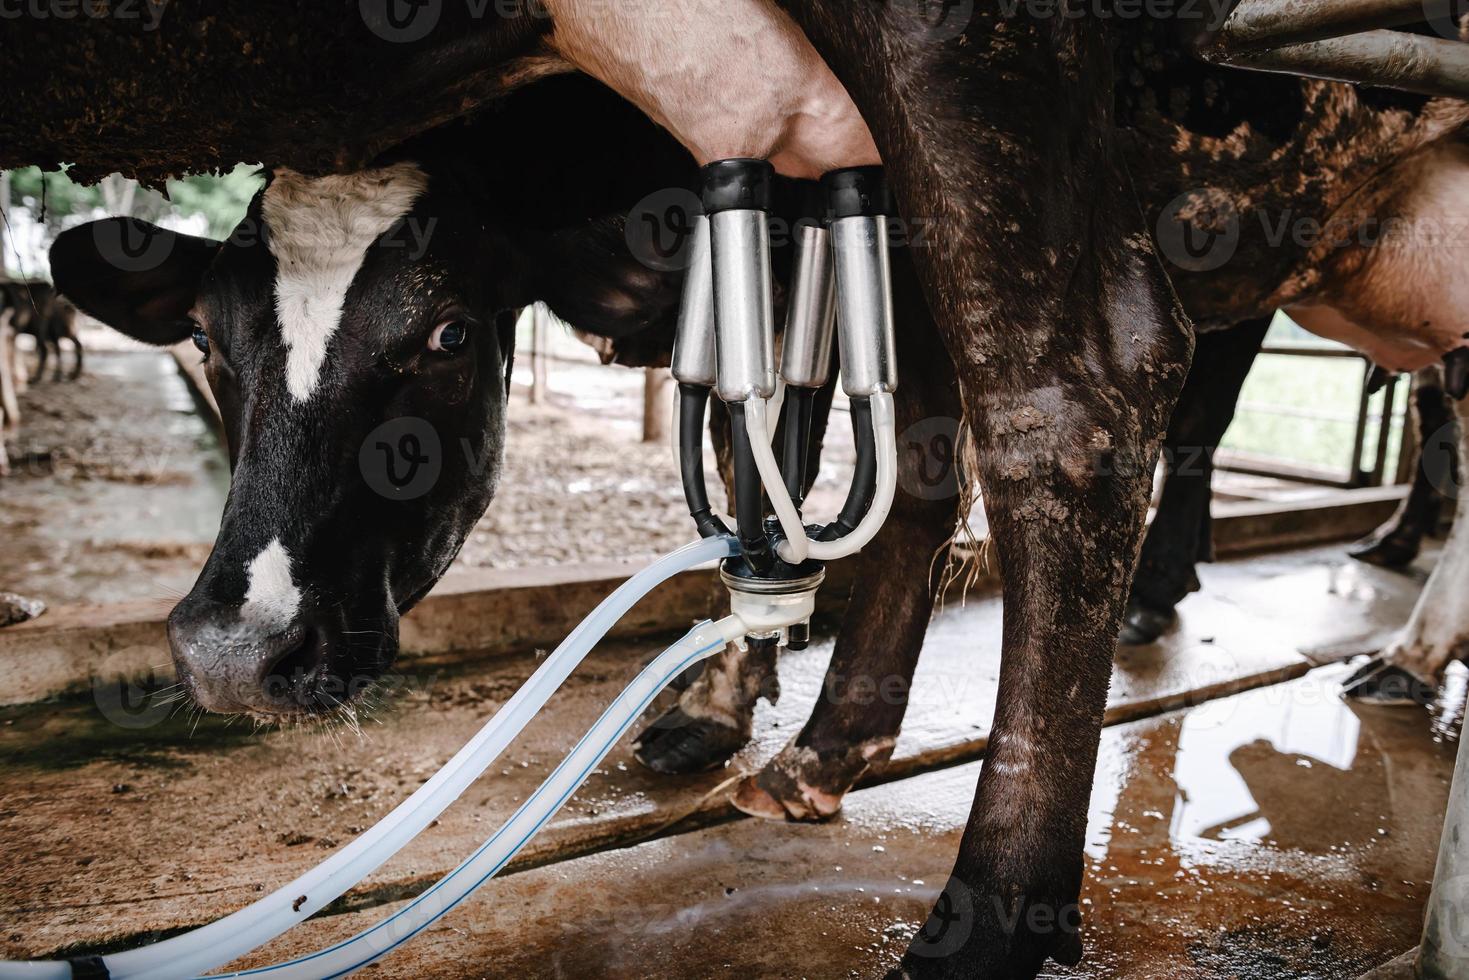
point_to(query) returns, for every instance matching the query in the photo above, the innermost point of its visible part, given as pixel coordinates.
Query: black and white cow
(40, 312)
(1051, 324)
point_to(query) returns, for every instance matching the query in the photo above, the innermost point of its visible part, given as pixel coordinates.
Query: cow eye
(449, 336)
(201, 340)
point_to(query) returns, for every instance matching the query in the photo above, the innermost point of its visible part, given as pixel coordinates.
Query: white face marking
(272, 597)
(320, 230)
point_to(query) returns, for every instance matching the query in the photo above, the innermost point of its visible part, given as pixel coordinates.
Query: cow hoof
(1395, 550)
(807, 785)
(1142, 625)
(975, 934)
(1379, 682)
(678, 743)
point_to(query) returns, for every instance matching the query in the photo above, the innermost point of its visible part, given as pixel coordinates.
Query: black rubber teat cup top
(857, 192)
(739, 184)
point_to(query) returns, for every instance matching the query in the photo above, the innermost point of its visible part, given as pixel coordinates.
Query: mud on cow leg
(1070, 348)
(1396, 543)
(1437, 633)
(1181, 534)
(714, 716)
(855, 721)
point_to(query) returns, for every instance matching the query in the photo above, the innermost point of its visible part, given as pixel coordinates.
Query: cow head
(359, 354)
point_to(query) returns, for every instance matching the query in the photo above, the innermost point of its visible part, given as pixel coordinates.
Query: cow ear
(135, 277)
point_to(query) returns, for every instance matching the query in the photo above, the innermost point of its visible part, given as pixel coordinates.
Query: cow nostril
(294, 672)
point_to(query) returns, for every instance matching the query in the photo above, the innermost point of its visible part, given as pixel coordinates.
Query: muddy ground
(1268, 830)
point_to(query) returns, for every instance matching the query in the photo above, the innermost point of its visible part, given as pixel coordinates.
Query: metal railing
(1357, 472)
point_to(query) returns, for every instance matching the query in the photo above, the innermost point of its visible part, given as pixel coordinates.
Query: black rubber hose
(692, 401)
(864, 476)
(798, 410)
(749, 509)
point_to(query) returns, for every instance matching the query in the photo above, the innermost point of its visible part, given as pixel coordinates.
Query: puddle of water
(1280, 833)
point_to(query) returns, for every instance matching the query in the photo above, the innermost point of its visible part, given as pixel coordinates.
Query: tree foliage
(220, 198)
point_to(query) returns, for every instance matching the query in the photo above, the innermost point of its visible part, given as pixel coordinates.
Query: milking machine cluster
(772, 567)
(840, 278)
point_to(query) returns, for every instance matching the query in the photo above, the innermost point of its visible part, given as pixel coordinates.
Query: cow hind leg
(9, 366)
(76, 344)
(43, 353)
(1181, 533)
(1437, 633)
(1396, 543)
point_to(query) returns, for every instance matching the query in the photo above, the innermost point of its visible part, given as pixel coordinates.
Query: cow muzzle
(231, 665)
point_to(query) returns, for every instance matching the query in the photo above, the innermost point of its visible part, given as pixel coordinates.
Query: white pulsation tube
(885, 433)
(377, 941)
(225, 939)
(796, 542)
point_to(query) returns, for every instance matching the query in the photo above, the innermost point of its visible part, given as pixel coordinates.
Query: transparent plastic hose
(793, 548)
(885, 433)
(225, 939)
(373, 943)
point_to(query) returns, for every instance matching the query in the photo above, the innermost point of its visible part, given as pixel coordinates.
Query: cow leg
(1070, 348)
(1181, 534)
(76, 344)
(1438, 630)
(9, 403)
(58, 372)
(42, 353)
(1395, 544)
(856, 718)
(9, 407)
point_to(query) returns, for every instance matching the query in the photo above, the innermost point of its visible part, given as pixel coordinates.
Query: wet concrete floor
(1279, 832)
(116, 485)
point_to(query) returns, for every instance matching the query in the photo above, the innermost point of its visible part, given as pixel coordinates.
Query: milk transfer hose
(223, 940)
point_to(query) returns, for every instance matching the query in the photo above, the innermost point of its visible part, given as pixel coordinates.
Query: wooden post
(656, 407)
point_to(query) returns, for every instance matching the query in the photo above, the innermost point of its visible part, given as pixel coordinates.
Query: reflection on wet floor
(1280, 833)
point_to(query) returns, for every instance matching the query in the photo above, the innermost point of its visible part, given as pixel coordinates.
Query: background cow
(48, 317)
